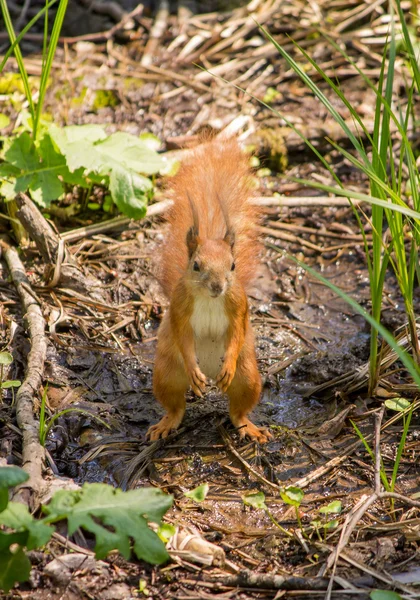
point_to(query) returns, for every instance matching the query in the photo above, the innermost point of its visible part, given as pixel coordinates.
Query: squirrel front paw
(197, 380)
(226, 375)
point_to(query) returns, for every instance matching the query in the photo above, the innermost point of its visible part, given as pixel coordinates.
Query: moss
(273, 145)
(103, 99)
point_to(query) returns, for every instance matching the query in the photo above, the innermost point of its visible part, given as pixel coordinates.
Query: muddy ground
(100, 358)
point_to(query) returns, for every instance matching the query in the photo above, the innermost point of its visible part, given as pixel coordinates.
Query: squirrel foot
(248, 429)
(164, 427)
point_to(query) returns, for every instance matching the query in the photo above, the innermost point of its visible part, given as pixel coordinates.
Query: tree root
(33, 453)
(62, 268)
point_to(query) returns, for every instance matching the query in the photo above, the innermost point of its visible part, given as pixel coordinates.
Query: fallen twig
(33, 454)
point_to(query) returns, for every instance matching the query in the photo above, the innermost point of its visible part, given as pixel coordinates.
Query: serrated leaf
(131, 152)
(199, 493)
(15, 567)
(256, 500)
(292, 495)
(17, 517)
(6, 359)
(397, 404)
(128, 190)
(114, 517)
(334, 507)
(384, 595)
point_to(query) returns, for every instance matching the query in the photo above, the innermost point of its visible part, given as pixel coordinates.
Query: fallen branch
(33, 454)
(61, 265)
(267, 581)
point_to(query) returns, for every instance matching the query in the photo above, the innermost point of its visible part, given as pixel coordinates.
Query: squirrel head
(211, 263)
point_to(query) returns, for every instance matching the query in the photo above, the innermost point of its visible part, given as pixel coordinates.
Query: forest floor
(310, 344)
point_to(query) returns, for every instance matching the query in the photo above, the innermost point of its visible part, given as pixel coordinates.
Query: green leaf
(20, 152)
(11, 383)
(292, 495)
(17, 517)
(150, 140)
(12, 476)
(6, 359)
(331, 524)
(8, 170)
(128, 191)
(331, 508)
(384, 595)
(397, 404)
(256, 500)
(131, 152)
(166, 531)
(4, 121)
(14, 567)
(4, 498)
(199, 493)
(76, 143)
(114, 517)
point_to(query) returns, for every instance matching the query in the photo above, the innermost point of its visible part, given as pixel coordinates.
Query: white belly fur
(209, 322)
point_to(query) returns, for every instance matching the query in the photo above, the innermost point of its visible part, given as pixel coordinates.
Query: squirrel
(208, 261)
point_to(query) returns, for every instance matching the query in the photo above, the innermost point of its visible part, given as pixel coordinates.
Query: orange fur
(215, 170)
(207, 262)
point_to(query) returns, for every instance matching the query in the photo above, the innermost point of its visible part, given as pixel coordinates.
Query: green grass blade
(52, 46)
(401, 447)
(372, 455)
(21, 35)
(407, 361)
(19, 58)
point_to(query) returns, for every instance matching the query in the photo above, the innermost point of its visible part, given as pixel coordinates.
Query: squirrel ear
(229, 238)
(192, 240)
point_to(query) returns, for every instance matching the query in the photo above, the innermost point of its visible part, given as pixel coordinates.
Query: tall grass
(387, 160)
(49, 48)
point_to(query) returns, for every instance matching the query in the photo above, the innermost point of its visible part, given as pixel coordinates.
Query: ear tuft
(229, 238)
(192, 240)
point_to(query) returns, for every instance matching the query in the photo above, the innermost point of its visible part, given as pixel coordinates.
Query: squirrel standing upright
(208, 260)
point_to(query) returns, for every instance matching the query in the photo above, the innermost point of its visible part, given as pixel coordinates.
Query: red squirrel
(208, 260)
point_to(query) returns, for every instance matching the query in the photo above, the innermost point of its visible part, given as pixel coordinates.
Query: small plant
(293, 496)
(199, 493)
(46, 423)
(333, 508)
(117, 519)
(6, 359)
(257, 500)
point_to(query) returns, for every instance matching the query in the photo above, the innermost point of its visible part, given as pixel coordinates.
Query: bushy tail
(217, 178)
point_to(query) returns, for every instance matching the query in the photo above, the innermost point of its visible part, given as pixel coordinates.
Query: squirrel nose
(216, 288)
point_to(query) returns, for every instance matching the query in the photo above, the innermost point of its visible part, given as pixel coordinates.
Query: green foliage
(114, 517)
(6, 359)
(80, 155)
(384, 595)
(333, 508)
(292, 495)
(199, 493)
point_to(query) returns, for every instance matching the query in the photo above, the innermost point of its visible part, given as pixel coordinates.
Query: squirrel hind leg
(170, 396)
(244, 393)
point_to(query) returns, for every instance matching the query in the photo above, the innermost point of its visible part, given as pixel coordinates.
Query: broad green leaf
(53, 159)
(114, 517)
(17, 517)
(4, 498)
(20, 152)
(11, 383)
(397, 404)
(8, 170)
(14, 567)
(384, 595)
(4, 121)
(77, 133)
(76, 143)
(256, 500)
(6, 358)
(7, 539)
(199, 493)
(128, 191)
(331, 524)
(131, 152)
(331, 508)
(292, 495)
(12, 476)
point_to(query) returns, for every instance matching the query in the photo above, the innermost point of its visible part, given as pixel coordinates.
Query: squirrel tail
(216, 178)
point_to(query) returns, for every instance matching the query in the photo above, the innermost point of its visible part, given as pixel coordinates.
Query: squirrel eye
(196, 266)
(232, 268)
